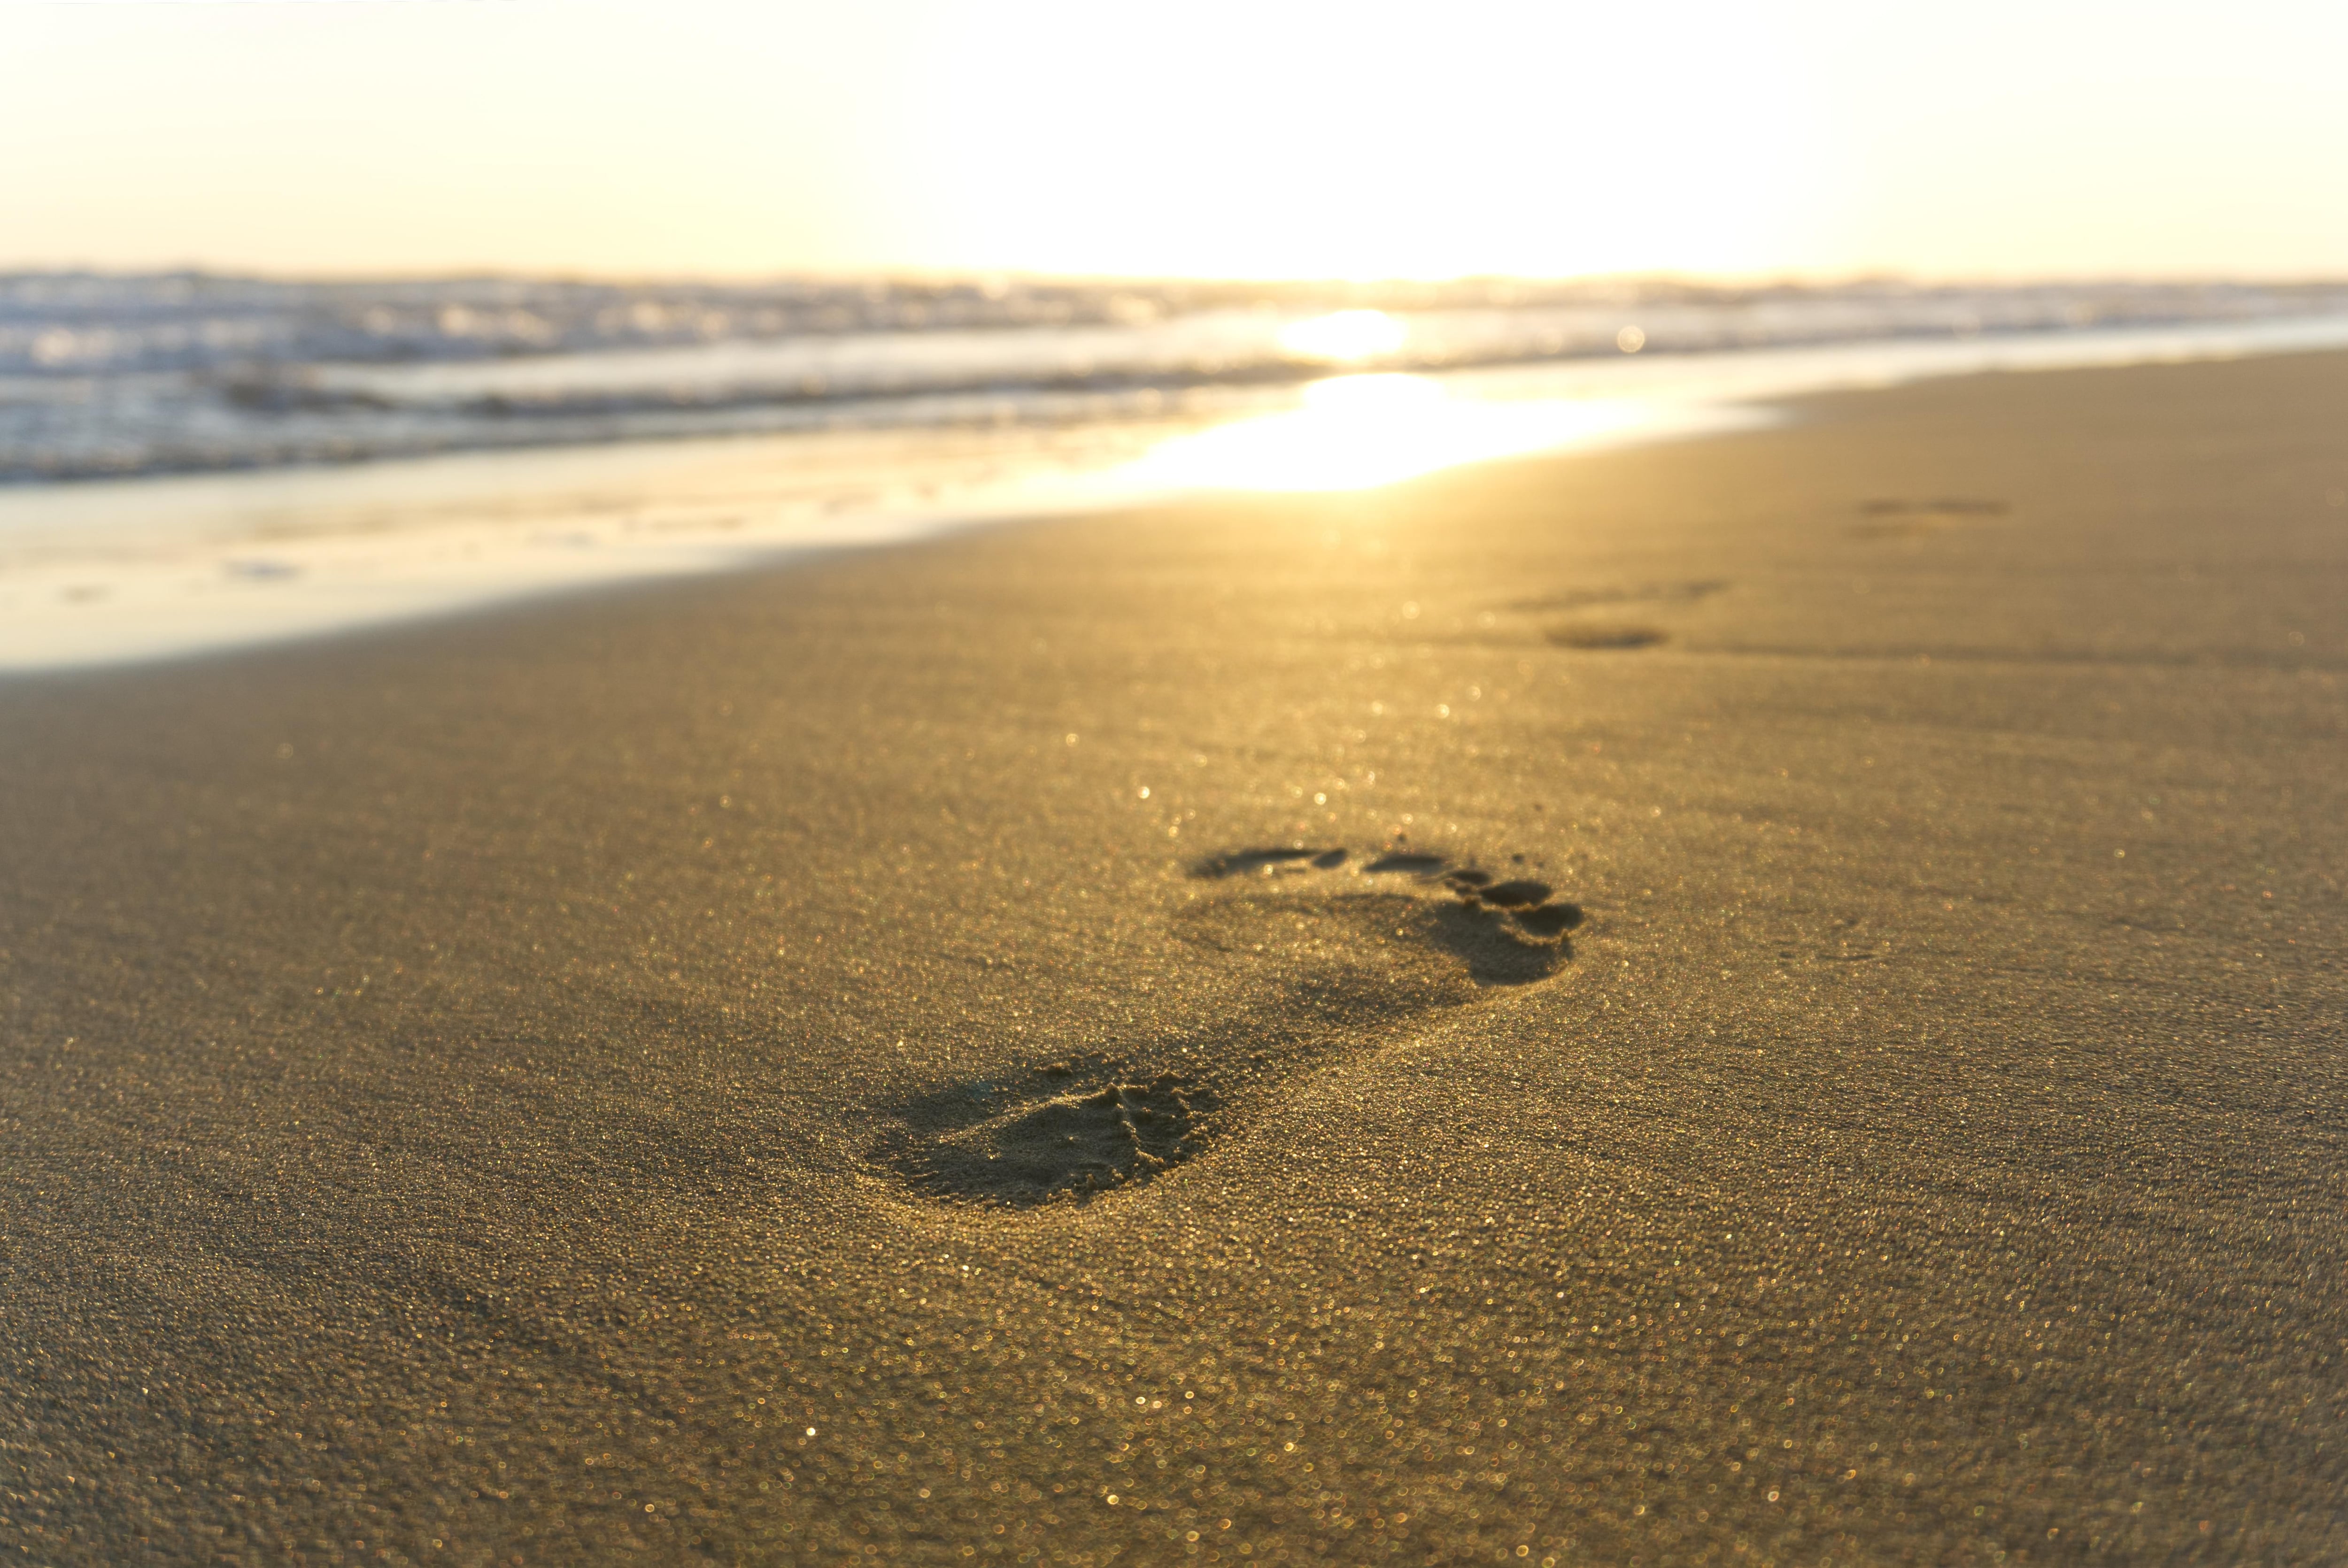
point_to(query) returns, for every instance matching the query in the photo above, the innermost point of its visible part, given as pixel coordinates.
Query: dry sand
(610, 1081)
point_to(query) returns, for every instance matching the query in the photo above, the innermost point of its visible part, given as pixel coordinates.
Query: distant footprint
(1586, 626)
(1580, 599)
(1898, 520)
(1352, 948)
(1590, 636)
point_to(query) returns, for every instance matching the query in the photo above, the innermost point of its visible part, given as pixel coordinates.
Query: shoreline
(127, 572)
(882, 1056)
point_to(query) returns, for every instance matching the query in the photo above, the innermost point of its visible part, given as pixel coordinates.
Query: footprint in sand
(1609, 595)
(1335, 954)
(1604, 635)
(1588, 618)
(1898, 520)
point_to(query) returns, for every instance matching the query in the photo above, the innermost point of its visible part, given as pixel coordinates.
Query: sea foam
(108, 377)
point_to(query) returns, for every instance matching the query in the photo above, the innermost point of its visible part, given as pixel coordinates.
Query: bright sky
(1247, 138)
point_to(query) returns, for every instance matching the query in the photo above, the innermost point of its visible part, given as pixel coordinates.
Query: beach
(882, 1060)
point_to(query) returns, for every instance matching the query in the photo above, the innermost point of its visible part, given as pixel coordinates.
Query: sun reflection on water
(1357, 431)
(1345, 337)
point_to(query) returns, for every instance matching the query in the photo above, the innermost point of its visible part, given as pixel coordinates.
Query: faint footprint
(1574, 634)
(1896, 520)
(1581, 628)
(1579, 599)
(1332, 953)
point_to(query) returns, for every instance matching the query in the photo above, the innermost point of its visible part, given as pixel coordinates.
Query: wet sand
(814, 1066)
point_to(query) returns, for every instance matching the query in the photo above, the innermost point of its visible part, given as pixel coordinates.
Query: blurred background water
(112, 375)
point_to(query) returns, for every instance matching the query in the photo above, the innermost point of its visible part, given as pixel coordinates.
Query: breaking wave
(111, 374)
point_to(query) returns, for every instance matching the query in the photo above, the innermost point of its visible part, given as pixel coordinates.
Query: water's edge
(113, 572)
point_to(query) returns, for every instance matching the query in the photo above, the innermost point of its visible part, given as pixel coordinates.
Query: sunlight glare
(1345, 337)
(1358, 431)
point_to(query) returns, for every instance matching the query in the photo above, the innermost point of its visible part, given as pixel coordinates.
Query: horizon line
(995, 277)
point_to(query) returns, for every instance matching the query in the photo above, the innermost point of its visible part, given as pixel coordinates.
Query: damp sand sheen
(1769, 997)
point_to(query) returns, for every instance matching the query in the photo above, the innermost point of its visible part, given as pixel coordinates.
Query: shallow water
(99, 571)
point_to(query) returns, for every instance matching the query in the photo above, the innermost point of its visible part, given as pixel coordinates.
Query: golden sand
(828, 1066)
